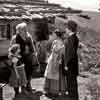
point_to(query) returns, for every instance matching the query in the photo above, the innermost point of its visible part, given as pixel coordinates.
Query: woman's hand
(66, 68)
(14, 59)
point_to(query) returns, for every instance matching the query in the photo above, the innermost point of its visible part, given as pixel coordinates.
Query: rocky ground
(88, 86)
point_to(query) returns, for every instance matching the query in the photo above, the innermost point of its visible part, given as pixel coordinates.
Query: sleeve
(13, 41)
(31, 43)
(54, 46)
(78, 43)
(65, 51)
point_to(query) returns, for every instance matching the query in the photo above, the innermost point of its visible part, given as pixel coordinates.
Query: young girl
(18, 76)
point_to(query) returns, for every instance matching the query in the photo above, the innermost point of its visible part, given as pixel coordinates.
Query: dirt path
(38, 83)
(40, 97)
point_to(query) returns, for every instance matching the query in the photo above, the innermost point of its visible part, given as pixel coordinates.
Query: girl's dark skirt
(21, 81)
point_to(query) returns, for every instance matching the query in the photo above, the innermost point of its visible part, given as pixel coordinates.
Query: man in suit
(71, 59)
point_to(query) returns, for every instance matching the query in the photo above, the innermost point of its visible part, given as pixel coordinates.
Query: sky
(89, 5)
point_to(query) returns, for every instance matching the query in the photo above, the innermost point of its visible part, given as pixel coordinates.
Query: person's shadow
(62, 97)
(34, 95)
(38, 95)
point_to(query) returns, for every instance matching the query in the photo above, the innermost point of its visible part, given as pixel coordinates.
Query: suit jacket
(71, 57)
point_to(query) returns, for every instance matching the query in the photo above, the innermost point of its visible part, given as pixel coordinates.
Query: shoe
(44, 92)
(28, 87)
(25, 92)
(64, 93)
(59, 93)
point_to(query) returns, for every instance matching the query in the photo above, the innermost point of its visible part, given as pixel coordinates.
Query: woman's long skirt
(55, 86)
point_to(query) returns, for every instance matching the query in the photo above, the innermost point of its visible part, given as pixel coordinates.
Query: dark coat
(71, 57)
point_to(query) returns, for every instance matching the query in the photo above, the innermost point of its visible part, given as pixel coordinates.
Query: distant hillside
(91, 25)
(94, 22)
